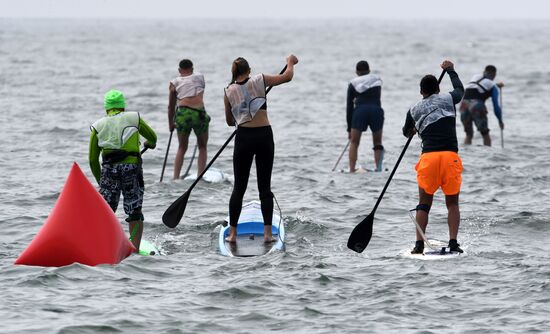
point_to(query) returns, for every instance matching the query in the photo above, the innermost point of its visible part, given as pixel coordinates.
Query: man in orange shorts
(434, 118)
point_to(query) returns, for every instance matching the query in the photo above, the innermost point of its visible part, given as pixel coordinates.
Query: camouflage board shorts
(188, 119)
(122, 178)
(474, 111)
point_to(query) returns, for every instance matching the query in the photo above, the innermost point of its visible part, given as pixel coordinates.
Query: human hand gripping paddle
(362, 233)
(172, 216)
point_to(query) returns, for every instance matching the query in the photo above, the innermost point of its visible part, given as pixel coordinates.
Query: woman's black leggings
(250, 142)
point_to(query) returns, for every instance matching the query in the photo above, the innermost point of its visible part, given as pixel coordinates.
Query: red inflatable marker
(81, 228)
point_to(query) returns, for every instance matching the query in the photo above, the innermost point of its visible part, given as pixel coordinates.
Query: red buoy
(81, 228)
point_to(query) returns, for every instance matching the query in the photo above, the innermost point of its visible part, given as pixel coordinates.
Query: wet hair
(186, 64)
(362, 67)
(240, 66)
(429, 85)
(490, 69)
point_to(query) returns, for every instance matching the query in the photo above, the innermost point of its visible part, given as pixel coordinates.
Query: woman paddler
(246, 107)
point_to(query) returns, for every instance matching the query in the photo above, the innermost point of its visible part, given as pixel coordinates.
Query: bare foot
(232, 237)
(268, 234)
(359, 170)
(270, 239)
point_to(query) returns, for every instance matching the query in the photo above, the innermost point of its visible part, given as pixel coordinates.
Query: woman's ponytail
(239, 67)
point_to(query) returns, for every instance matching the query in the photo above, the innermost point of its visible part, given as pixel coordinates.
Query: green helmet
(114, 99)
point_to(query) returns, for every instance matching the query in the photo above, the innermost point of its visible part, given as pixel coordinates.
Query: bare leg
(377, 141)
(136, 230)
(202, 142)
(353, 147)
(421, 215)
(183, 140)
(453, 218)
(486, 139)
(468, 139)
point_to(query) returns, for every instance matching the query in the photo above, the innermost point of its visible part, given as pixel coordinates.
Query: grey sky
(399, 9)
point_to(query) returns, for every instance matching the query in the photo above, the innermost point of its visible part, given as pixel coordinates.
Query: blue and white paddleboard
(250, 234)
(212, 175)
(439, 251)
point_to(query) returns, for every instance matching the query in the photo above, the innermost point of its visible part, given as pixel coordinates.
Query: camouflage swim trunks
(190, 118)
(474, 111)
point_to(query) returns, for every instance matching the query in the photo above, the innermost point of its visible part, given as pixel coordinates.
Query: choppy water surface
(54, 74)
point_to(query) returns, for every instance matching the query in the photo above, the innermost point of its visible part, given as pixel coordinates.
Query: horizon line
(257, 18)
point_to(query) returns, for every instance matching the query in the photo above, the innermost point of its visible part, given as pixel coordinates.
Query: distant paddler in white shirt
(473, 109)
(186, 112)
(364, 110)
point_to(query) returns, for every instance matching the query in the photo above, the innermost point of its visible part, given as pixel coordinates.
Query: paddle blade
(361, 234)
(173, 214)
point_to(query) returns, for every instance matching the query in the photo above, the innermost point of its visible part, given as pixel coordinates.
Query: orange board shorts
(439, 169)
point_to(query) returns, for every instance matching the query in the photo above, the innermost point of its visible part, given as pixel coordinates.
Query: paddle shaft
(166, 155)
(340, 157)
(398, 161)
(223, 146)
(501, 129)
(191, 161)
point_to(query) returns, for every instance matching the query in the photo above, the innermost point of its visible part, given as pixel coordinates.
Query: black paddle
(173, 214)
(501, 130)
(362, 233)
(166, 155)
(190, 162)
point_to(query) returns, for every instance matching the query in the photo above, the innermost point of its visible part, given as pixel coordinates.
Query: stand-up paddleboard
(440, 251)
(250, 233)
(362, 170)
(212, 175)
(146, 248)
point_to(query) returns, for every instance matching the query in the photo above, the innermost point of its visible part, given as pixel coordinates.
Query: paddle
(362, 233)
(190, 162)
(501, 129)
(173, 214)
(341, 155)
(166, 155)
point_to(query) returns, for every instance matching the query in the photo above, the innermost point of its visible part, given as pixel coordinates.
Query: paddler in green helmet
(116, 136)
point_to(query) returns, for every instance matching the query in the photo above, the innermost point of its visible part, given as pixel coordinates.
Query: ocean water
(53, 74)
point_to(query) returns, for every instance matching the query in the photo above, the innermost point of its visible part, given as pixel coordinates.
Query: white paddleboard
(212, 175)
(250, 234)
(362, 170)
(440, 252)
(147, 249)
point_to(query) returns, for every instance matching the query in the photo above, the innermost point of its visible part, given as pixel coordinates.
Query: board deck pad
(250, 234)
(249, 245)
